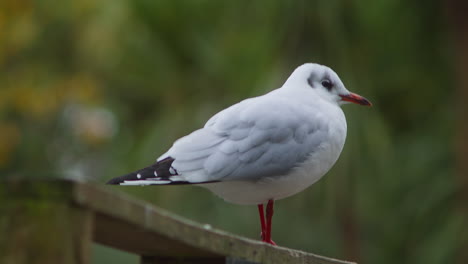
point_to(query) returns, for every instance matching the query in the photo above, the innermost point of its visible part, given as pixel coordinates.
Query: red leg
(269, 215)
(262, 221)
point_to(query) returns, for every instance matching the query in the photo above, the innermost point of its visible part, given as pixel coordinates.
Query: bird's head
(325, 82)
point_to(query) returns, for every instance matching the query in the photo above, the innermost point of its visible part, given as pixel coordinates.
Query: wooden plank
(190, 239)
(136, 239)
(181, 260)
(238, 261)
(38, 225)
(172, 260)
(134, 226)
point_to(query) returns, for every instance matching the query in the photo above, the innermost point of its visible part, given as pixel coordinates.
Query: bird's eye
(327, 84)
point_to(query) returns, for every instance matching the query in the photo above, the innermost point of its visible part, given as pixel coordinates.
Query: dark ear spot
(310, 80)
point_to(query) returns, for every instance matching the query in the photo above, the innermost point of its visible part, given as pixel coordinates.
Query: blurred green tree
(93, 89)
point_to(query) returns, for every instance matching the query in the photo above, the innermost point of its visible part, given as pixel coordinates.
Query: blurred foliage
(94, 89)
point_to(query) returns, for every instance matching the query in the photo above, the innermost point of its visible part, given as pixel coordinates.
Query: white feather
(144, 182)
(268, 147)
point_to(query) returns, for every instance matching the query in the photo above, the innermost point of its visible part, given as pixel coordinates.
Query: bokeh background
(92, 89)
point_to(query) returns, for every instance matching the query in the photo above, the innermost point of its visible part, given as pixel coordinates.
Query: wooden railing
(55, 221)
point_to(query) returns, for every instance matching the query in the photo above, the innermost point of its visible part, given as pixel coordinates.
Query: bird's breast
(317, 164)
(325, 148)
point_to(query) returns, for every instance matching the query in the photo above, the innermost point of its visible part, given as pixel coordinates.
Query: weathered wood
(175, 260)
(38, 225)
(137, 227)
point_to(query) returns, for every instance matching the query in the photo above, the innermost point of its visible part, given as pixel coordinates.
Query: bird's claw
(271, 242)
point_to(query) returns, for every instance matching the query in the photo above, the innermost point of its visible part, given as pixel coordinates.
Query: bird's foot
(271, 242)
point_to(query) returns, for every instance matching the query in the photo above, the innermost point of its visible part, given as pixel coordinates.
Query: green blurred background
(92, 89)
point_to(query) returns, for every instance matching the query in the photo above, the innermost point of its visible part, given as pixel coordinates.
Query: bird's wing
(256, 138)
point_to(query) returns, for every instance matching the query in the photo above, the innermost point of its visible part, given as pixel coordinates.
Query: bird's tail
(159, 173)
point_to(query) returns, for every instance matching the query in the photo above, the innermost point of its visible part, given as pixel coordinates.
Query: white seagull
(264, 148)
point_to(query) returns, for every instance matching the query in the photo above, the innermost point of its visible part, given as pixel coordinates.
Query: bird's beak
(356, 99)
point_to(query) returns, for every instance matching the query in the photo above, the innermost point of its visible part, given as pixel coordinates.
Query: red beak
(356, 99)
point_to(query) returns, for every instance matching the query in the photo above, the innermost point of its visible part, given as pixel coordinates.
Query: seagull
(264, 148)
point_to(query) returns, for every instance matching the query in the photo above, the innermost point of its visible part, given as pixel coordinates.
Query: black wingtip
(115, 181)
(133, 176)
(161, 169)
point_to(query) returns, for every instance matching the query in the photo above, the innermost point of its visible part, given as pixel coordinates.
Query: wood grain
(70, 215)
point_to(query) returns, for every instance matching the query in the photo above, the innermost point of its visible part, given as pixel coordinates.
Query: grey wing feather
(245, 142)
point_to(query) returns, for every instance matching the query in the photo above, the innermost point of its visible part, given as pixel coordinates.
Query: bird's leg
(269, 215)
(262, 221)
